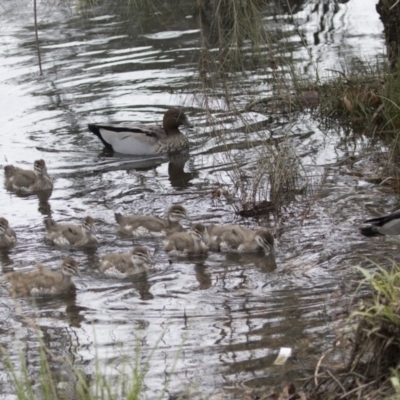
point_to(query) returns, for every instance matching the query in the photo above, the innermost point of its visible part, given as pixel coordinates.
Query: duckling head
(70, 267)
(40, 167)
(88, 224)
(176, 213)
(3, 225)
(140, 256)
(198, 232)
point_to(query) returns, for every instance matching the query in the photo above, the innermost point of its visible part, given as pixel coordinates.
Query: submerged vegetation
(57, 376)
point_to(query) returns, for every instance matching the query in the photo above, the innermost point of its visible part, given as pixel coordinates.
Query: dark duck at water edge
(385, 225)
(137, 139)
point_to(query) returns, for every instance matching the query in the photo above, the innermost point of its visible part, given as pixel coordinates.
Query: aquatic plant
(372, 337)
(40, 373)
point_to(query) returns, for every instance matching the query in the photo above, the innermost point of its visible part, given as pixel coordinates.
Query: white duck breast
(145, 139)
(139, 140)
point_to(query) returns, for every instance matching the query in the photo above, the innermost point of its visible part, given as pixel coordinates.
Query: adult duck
(145, 139)
(385, 225)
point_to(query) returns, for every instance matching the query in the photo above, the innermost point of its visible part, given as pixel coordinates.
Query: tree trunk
(389, 11)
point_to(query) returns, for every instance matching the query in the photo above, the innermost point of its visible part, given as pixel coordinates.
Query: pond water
(211, 326)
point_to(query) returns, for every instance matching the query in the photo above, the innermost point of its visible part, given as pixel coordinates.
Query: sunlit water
(215, 324)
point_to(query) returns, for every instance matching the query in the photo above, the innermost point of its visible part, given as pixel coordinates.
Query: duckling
(225, 237)
(187, 243)
(122, 265)
(44, 281)
(385, 225)
(7, 234)
(260, 240)
(145, 139)
(71, 234)
(144, 225)
(237, 238)
(26, 180)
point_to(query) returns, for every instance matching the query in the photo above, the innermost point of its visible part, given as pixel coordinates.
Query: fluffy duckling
(386, 225)
(260, 240)
(144, 225)
(187, 243)
(7, 234)
(26, 180)
(122, 265)
(44, 281)
(71, 234)
(137, 139)
(237, 238)
(225, 237)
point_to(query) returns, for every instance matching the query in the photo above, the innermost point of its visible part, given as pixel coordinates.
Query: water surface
(216, 324)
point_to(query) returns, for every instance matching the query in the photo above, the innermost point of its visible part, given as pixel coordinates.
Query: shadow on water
(226, 315)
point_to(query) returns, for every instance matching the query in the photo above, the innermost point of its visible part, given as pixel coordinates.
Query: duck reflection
(176, 167)
(73, 312)
(264, 263)
(177, 176)
(5, 260)
(139, 283)
(202, 276)
(44, 205)
(43, 200)
(142, 286)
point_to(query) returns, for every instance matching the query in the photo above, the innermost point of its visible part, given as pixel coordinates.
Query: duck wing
(129, 139)
(385, 225)
(380, 221)
(73, 233)
(21, 178)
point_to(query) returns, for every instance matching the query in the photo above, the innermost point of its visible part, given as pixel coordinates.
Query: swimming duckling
(71, 234)
(7, 234)
(44, 281)
(237, 238)
(140, 139)
(187, 243)
(122, 265)
(260, 240)
(26, 180)
(144, 225)
(225, 237)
